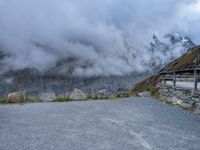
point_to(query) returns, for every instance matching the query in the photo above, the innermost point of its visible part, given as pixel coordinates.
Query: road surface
(127, 124)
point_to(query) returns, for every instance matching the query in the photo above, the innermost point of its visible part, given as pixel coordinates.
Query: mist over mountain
(61, 78)
(162, 52)
(173, 46)
(87, 38)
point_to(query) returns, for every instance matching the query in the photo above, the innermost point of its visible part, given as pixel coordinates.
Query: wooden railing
(192, 74)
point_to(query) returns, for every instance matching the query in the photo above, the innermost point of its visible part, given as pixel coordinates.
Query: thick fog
(109, 37)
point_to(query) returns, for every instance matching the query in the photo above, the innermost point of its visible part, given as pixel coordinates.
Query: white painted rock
(179, 102)
(145, 94)
(77, 95)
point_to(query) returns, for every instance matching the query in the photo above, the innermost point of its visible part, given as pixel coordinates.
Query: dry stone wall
(180, 96)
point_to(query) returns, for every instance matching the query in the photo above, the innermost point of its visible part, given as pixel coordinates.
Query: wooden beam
(184, 70)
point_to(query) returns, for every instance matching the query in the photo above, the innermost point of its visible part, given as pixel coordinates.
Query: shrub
(4, 100)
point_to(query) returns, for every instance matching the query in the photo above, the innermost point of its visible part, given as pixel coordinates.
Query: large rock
(16, 97)
(48, 96)
(77, 95)
(145, 94)
(101, 94)
(122, 94)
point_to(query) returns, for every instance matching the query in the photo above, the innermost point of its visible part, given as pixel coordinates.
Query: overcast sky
(105, 33)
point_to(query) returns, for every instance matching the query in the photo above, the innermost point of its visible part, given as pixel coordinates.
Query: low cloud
(110, 36)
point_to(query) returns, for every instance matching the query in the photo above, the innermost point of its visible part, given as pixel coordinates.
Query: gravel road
(127, 124)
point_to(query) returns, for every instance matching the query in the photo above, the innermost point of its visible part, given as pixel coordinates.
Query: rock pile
(180, 96)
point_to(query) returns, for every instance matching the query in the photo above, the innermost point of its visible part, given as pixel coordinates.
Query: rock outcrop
(78, 95)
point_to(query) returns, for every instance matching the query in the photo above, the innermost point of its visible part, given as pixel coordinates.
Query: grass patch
(33, 99)
(4, 100)
(152, 89)
(92, 98)
(112, 97)
(165, 101)
(28, 99)
(62, 99)
(148, 84)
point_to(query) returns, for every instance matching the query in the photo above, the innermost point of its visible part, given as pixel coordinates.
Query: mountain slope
(191, 59)
(187, 61)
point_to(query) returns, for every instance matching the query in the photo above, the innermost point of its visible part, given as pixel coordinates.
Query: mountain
(61, 81)
(177, 39)
(172, 47)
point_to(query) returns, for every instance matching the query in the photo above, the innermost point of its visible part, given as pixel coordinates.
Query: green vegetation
(28, 99)
(112, 97)
(148, 84)
(33, 99)
(182, 106)
(92, 97)
(4, 100)
(165, 101)
(62, 99)
(152, 89)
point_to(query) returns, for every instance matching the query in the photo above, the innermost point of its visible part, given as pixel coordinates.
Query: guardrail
(192, 74)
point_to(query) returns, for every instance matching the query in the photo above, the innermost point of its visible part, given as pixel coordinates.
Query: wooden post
(164, 79)
(195, 80)
(174, 79)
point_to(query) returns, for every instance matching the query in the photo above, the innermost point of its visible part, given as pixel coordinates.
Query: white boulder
(145, 94)
(77, 95)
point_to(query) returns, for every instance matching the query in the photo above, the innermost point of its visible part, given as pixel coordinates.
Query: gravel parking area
(126, 124)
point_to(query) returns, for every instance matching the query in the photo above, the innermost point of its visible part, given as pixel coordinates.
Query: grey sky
(106, 33)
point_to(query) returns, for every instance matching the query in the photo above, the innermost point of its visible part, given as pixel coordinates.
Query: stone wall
(179, 96)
